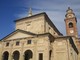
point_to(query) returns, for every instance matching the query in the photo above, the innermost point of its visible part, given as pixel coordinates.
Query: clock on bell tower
(71, 23)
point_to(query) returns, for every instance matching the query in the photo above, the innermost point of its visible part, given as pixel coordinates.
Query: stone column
(22, 53)
(21, 57)
(10, 56)
(10, 51)
(34, 55)
(47, 49)
(2, 57)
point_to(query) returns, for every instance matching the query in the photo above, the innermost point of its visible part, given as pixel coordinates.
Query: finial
(68, 8)
(30, 12)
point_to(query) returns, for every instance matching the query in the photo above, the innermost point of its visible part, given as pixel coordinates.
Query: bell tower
(71, 23)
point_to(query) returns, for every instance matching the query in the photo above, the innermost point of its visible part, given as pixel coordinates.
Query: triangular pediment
(18, 34)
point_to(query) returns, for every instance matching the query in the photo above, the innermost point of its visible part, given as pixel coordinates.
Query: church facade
(37, 38)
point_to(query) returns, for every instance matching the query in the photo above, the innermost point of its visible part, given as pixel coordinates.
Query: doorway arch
(28, 55)
(16, 55)
(5, 55)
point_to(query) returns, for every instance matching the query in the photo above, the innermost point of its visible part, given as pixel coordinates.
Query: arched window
(5, 55)
(70, 25)
(28, 55)
(16, 55)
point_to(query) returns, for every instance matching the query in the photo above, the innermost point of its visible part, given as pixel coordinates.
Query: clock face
(71, 31)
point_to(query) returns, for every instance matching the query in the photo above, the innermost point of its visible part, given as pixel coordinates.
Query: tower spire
(69, 10)
(69, 13)
(30, 12)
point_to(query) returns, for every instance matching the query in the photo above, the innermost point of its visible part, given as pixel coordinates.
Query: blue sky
(11, 10)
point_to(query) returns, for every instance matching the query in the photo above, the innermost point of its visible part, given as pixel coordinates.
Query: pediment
(18, 34)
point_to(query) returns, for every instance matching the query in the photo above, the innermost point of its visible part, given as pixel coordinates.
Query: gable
(18, 34)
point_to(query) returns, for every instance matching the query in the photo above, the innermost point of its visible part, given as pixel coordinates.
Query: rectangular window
(40, 56)
(29, 42)
(17, 43)
(7, 44)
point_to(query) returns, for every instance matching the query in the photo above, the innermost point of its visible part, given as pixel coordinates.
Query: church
(37, 38)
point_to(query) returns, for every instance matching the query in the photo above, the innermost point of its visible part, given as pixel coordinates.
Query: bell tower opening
(71, 23)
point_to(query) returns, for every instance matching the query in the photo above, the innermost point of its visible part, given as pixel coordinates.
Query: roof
(43, 13)
(73, 45)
